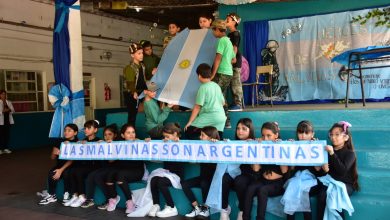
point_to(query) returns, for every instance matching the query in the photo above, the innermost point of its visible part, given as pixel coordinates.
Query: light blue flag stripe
(183, 68)
(207, 51)
(168, 60)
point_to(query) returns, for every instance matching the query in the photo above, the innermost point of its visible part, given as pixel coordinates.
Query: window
(24, 89)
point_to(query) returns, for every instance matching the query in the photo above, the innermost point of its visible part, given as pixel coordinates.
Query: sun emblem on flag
(185, 64)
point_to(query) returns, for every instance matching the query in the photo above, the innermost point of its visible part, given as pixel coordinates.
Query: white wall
(26, 48)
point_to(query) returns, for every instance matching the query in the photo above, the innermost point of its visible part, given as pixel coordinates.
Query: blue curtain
(255, 39)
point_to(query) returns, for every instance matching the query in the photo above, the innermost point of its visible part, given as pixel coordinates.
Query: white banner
(306, 153)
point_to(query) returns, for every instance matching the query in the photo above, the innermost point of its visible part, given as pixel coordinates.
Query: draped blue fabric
(61, 52)
(255, 39)
(59, 98)
(61, 62)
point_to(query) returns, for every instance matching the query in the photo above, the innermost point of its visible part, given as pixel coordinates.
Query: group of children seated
(215, 180)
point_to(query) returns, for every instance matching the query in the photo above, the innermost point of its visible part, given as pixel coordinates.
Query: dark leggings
(78, 176)
(91, 181)
(204, 184)
(161, 184)
(306, 215)
(67, 177)
(52, 184)
(124, 176)
(132, 107)
(101, 179)
(262, 189)
(4, 136)
(227, 184)
(241, 183)
(321, 199)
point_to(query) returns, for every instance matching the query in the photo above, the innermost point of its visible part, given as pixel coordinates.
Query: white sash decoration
(303, 153)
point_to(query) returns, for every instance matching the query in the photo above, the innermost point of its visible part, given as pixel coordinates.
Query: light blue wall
(279, 10)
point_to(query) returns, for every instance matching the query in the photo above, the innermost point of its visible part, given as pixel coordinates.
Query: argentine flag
(176, 75)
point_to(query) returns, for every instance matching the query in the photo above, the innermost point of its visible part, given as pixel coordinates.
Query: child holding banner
(242, 181)
(225, 174)
(110, 134)
(162, 179)
(342, 165)
(82, 168)
(60, 170)
(268, 180)
(203, 181)
(304, 176)
(124, 172)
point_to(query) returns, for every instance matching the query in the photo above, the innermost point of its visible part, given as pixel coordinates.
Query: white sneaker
(195, 212)
(66, 197)
(167, 212)
(204, 212)
(74, 198)
(225, 214)
(1, 152)
(78, 202)
(153, 211)
(48, 199)
(112, 202)
(7, 151)
(239, 216)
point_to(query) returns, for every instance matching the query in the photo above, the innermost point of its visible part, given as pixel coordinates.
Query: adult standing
(6, 120)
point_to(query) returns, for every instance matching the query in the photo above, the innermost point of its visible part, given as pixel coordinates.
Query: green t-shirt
(154, 116)
(211, 99)
(225, 48)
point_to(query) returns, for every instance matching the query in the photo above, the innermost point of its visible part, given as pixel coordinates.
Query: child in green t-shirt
(222, 72)
(208, 109)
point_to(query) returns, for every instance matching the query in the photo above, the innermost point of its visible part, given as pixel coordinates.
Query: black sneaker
(88, 203)
(195, 212)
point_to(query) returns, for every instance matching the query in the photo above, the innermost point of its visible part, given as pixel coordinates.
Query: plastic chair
(264, 70)
(255, 91)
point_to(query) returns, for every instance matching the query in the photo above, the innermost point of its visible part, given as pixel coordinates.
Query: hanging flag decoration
(67, 64)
